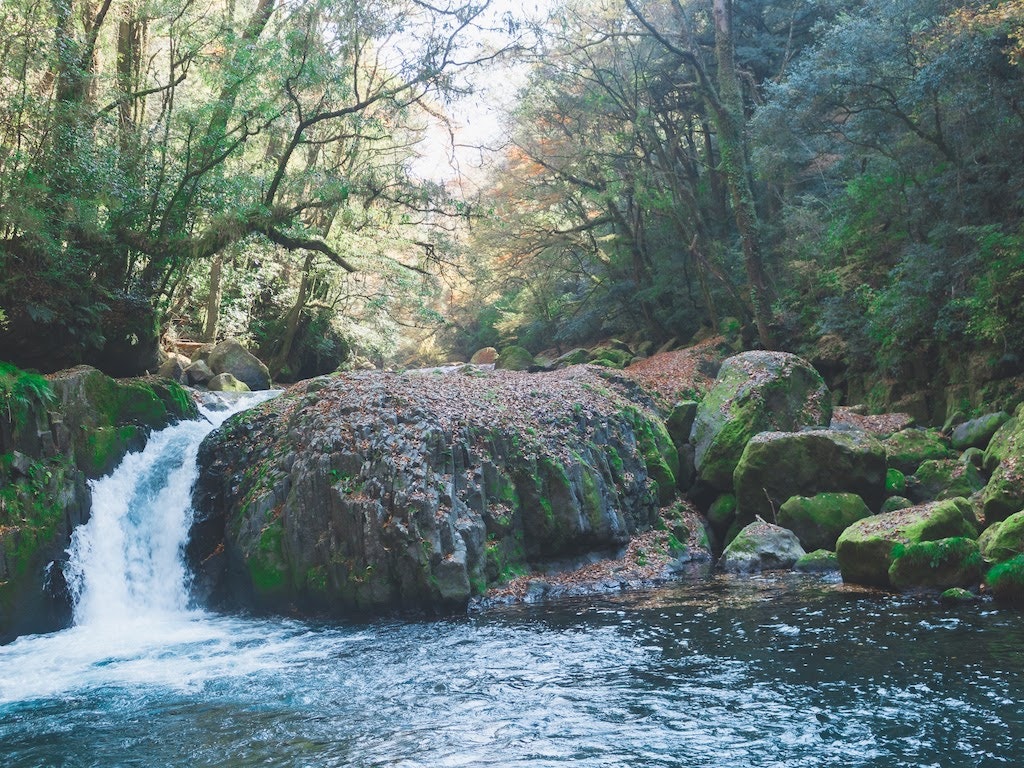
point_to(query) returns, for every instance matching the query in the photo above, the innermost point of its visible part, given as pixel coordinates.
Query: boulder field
(371, 490)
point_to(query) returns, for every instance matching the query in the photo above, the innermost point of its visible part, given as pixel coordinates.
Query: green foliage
(20, 392)
(1006, 581)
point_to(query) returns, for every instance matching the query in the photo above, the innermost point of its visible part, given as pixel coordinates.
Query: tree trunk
(280, 358)
(213, 300)
(735, 166)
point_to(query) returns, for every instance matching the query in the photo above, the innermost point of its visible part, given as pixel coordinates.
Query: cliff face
(376, 490)
(56, 433)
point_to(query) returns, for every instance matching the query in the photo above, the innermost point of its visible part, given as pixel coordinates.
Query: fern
(20, 391)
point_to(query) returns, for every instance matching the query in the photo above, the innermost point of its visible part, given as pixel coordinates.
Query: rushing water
(775, 671)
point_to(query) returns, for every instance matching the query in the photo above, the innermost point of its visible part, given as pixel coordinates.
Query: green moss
(615, 462)
(940, 564)
(1006, 581)
(658, 451)
(895, 482)
(266, 562)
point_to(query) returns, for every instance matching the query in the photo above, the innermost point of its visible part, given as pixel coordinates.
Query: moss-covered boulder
(1006, 442)
(754, 392)
(1003, 495)
(908, 449)
(895, 482)
(225, 382)
(374, 490)
(514, 358)
(776, 466)
(107, 417)
(938, 565)
(761, 546)
(938, 479)
(229, 356)
(722, 514)
(865, 549)
(680, 421)
(1003, 540)
(1006, 581)
(818, 561)
(611, 357)
(977, 433)
(819, 520)
(893, 503)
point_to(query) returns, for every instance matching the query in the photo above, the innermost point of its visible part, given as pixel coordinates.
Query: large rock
(484, 356)
(819, 520)
(939, 479)
(1004, 459)
(225, 382)
(376, 490)
(776, 466)
(977, 433)
(514, 358)
(865, 549)
(229, 356)
(761, 546)
(173, 368)
(1003, 540)
(936, 565)
(754, 392)
(908, 449)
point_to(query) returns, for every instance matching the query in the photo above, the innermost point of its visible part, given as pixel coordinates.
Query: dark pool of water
(721, 672)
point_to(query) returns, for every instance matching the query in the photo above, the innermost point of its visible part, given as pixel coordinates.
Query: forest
(839, 178)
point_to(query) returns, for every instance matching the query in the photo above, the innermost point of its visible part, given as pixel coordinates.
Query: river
(780, 670)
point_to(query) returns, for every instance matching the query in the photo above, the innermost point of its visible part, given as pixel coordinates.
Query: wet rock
(761, 546)
(818, 561)
(865, 549)
(938, 565)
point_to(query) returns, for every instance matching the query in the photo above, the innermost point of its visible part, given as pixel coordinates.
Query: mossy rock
(1006, 581)
(895, 482)
(680, 422)
(894, 503)
(957, 596)
(907, 449)
(576, 356)
(1004, 493)
(754, 392)
(818, 561)
(722, 514)
(977, 433)
(1003, 540)
(973, 456)
(939, 564)
(658, 450)
(514, 358)
(938, 479)
(1007, 441)
(761, 546)
(225, 382)
(611, 357)
(776, 466)
(819, 520)
(865, 549)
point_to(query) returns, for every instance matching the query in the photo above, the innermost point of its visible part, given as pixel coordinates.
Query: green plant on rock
(1006, 581)
(20, 391)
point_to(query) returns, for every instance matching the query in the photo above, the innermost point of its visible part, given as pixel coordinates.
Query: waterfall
(127, 561)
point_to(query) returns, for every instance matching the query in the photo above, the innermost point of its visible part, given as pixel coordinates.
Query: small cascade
(127, 562)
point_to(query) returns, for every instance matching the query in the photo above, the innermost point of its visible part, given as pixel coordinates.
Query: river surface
(716, 671)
